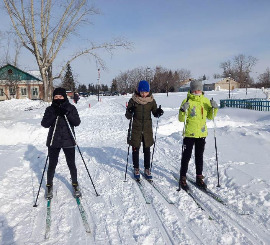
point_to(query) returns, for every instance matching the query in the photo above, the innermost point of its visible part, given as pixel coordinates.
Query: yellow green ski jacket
(199, 110)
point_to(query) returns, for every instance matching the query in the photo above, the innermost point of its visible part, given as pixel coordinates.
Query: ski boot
(49, 191)
(183, 183)
(76, 190)
(147, 174)
(199, 182)
(137, 173)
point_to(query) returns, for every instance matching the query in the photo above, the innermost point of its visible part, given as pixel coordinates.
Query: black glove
(60, 111)
(131, 109)
(159, 112)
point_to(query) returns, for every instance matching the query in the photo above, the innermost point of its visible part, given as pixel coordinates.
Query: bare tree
(128, 81)
(160, 79)
(16, 46)
(43, 31)
(1, 50)
(168, 80)
(264, 78)
(184, 75)
(157, 84)
(122, 82)
(215, 76)
(243, 66)
(227, 68)
(239, 69)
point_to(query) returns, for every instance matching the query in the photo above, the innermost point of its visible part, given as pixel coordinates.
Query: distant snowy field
(120, 215)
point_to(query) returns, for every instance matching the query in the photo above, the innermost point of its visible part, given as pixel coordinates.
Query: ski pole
(154, 142)
(80, 154)
(35, 205)
(129, 138)
(183, 137)
(213, 111)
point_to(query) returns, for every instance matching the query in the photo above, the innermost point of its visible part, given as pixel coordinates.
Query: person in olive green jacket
(140, 107)
(194, 110)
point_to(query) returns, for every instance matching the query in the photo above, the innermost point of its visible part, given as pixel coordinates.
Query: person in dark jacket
(60, 137)
(76, 97)
(140, 107)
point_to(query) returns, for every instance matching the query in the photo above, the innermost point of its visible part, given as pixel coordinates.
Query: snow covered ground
(120, 215)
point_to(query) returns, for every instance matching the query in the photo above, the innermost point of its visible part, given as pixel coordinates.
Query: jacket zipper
(142, 118)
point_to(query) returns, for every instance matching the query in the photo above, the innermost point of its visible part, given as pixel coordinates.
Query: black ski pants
(135, 156)
(187, 151)
(53, 160)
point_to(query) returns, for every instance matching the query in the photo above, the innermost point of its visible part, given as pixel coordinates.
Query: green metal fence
(252, 104)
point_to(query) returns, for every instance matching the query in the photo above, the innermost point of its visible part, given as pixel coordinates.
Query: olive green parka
(199, 110)
(142, 121)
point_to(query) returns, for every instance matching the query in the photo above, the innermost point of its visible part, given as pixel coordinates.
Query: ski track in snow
(120, 215)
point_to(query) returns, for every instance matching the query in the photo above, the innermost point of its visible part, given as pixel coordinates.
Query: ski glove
(131, 109)
(159, 112)
(61, 111)
(214, 104)
(184, 107)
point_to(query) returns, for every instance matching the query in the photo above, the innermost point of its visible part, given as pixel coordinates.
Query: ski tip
(178, 189)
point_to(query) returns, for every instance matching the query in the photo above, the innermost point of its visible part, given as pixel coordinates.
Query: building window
(23, 91)
(1, 92)
(12, 91)
(35, 91)
(9, 71)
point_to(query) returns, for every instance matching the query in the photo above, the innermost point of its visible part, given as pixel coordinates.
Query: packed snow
(120, 214)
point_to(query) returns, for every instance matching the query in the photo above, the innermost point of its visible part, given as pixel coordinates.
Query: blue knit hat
(143, 86)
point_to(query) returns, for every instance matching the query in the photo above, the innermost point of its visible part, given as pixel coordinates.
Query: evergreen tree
(82, 88)
(92, 88)
(114, 85)
(68, 82)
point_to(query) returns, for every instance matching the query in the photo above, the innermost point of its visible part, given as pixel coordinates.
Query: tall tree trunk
(47, 79)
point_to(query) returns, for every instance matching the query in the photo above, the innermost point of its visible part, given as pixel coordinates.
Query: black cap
(60, 91)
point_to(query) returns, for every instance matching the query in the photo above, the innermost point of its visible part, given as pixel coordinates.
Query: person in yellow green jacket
(194, 111)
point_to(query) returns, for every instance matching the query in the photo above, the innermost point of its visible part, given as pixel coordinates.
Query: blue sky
(192, 34)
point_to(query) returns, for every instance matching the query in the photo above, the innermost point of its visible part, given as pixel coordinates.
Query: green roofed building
(18, 84)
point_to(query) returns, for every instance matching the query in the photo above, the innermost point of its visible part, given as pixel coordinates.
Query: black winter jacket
(62, 136)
